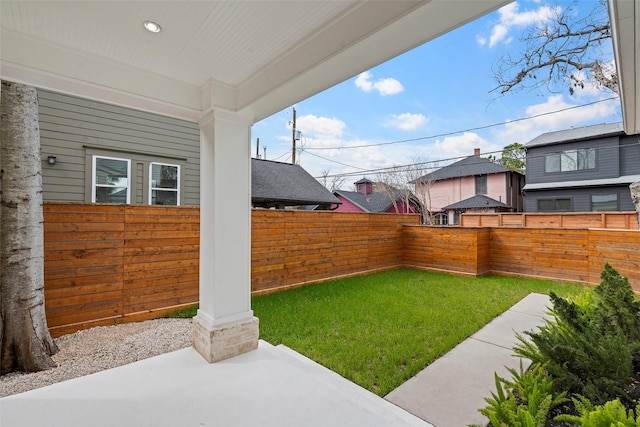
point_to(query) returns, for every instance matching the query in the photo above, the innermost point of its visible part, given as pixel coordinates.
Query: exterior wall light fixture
(51, 160)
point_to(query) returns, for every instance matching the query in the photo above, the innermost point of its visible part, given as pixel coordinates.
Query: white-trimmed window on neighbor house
(554, 205)
(164, 184)
(111, 182)
(603, 203)
(570, 160)
(441, 219)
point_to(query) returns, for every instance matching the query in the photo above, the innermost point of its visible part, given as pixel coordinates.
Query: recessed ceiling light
(152, 26)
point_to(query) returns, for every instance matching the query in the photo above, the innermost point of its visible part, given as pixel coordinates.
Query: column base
(221, 342)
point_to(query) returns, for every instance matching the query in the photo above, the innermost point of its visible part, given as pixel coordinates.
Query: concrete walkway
(271, 386)
(275, 386)
(449, 392)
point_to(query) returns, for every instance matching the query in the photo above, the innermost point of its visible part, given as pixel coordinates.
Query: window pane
(164, 176)
(563, 205)
(164, 197)
(481, 184)
(111, 195)
(112, 172)
(569, 160)
(587, 158)
(545, 205)
(608, 202)
(552, 162)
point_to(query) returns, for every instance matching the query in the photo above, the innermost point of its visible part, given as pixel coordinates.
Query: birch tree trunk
(635, 196)
(25, 342)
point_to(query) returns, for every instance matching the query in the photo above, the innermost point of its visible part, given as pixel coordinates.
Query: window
(456, 216)
(481, 184)
(164, 185)
(554, 205)
(607, 202)
(111, 182)
(441, 219)
(570, 160)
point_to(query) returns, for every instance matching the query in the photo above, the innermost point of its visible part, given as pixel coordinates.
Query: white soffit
(260, 56)
(624, 16)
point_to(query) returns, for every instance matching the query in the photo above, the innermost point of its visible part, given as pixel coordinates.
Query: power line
(337, 162)
(415, 167)
(462, 131)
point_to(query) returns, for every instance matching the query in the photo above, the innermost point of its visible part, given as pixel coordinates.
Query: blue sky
(437, 93)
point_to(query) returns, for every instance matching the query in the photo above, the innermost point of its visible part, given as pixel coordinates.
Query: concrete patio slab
(275, 386)
(449, 392)
(265, 387)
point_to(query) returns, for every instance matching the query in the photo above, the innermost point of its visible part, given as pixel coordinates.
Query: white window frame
(94, 185)
(151, 187)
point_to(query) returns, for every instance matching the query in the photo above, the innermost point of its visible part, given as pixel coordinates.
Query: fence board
(150, 262)
(614, 220)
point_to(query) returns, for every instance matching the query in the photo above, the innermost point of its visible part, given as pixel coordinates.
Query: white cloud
(510, 17)
(525, 130)
(406, 121)
(386, 86)
(463, 145)
(313, 126)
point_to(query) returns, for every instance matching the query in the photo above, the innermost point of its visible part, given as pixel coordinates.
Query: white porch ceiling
(248, 56)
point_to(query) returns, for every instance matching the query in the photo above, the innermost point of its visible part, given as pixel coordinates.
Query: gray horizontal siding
(607, 161)
(630, 155)
(580, 197)
(72, 128)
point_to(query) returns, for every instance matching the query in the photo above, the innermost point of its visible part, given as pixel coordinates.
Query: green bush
(611, 414)
(590, 351)
(525, 401)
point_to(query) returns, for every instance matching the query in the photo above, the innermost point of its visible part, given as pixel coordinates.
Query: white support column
(225, 326)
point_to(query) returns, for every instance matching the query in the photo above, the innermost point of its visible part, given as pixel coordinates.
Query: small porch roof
(479, 201)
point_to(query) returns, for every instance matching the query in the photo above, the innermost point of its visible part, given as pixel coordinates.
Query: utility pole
(293, 151)
(257, 148)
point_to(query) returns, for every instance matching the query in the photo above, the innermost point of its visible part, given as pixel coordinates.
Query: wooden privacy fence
(617, 220)
(106, 264)
(294, 247)
(576, 255)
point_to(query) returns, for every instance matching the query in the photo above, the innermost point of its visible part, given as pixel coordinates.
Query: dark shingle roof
(275, 183)
(576, 134)
(363, 181)
(372, 202)
(377, 201)
(470, 166)
(475, 202)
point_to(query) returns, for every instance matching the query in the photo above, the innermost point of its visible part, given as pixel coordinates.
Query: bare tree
(25, 342)
(569, 49)
(396, 184)
(331, 182)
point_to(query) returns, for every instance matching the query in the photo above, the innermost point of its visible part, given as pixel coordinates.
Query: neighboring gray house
(106, 153)
(581, 170)
(280, 185)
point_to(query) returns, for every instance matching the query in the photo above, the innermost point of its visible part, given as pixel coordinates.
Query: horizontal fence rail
(617, 220)
(107, 264)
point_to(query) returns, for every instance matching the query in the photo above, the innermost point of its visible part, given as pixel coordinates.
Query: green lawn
(381, 329)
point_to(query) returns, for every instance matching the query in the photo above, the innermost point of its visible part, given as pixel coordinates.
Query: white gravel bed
(103, 347)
